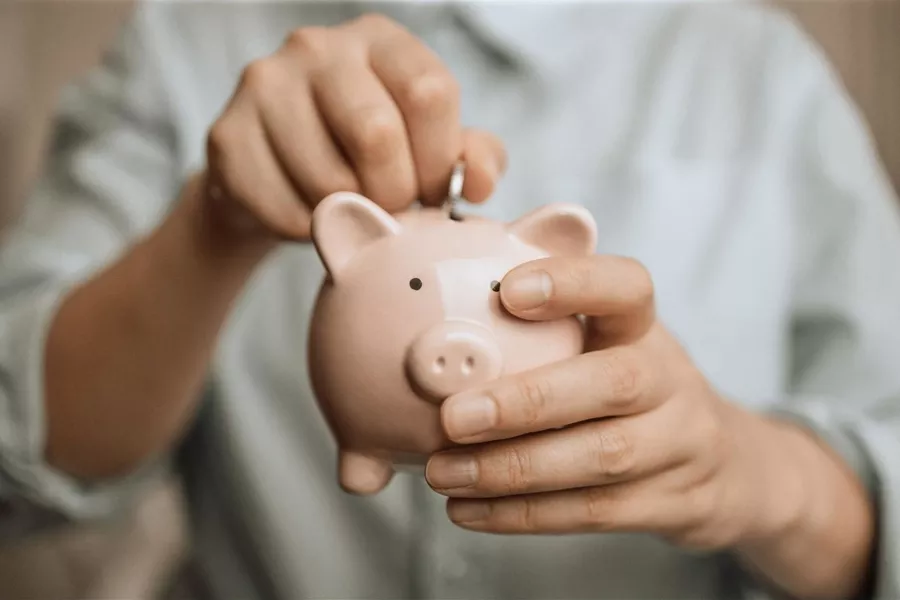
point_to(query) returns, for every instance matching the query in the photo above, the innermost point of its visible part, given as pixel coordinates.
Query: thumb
(485, 158)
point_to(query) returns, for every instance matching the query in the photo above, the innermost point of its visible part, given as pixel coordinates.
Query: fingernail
(465, 416)
(469, 511)
(448, 471)
(526, 291)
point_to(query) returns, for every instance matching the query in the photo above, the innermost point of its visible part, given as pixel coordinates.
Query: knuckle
(223, 159)
(532, 399)
(430, 93)
(260, 75)
(518, 470)
(623, 375)
(378, 136)
(219, 140)
(641, 283)
(614, 454)
(375, 21)
(312, 41)
(708, 444)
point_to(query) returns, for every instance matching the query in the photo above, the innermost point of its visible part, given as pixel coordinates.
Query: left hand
(628, 436)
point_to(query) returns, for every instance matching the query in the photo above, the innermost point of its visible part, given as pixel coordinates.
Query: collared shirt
(711, 142)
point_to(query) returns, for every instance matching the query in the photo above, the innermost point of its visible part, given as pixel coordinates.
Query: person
(730, 431)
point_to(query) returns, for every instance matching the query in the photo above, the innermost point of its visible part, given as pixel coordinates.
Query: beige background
(44, 44)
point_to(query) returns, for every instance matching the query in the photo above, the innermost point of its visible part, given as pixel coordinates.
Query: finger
(632, 507)
(485, 158)
(241, 164)
(617, 292)
(301, 141)
(370, 130)
(428, 97)
(588, 454)
(612, 382)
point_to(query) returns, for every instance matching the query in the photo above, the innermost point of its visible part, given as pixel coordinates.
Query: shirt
(711, 142)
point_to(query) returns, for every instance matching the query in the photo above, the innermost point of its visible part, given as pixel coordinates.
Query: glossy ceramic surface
(409, 314)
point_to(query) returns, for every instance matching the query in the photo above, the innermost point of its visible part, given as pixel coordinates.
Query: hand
(364, 107)
(627, 436)
(630, 436)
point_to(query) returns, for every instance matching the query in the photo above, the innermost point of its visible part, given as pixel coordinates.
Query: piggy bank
(409, 314)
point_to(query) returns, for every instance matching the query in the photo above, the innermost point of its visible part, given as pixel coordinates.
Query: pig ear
(558, 229)
(344, 224)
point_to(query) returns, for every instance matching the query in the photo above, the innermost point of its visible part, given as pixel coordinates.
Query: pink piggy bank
(409, 314)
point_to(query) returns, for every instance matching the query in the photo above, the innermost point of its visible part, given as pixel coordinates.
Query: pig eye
(495, 286)
(415, 283)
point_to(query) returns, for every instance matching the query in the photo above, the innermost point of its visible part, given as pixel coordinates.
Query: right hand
(363, 107)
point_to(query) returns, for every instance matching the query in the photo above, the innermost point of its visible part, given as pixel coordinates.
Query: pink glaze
(408, 315)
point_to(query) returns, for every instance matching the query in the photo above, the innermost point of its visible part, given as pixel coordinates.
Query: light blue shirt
(710, 141)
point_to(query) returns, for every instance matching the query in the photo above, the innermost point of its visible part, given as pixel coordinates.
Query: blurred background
(45, 44)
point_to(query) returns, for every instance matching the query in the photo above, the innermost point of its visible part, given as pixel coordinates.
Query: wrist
(784, 495)
(812, 528)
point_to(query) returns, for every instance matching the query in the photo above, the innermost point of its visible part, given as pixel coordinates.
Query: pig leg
(364, 474)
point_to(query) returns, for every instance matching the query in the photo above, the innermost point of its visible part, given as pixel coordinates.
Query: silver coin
(457, 182)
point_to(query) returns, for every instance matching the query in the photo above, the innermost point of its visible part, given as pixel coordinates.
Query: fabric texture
(710, 142)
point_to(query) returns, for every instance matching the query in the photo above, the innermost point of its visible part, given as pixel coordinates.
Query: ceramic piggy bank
(409, 314)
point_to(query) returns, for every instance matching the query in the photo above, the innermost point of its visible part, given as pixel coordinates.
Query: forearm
(127, 353)
(818, 536)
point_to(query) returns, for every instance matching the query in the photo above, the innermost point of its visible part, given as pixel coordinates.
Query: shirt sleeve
(108, 178)
(845, 373)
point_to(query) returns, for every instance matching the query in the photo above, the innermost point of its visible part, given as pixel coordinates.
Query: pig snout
(452, 357)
